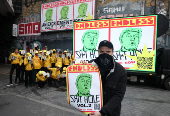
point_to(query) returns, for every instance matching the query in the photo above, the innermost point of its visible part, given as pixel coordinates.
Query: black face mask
(104, 62)
(54, 52)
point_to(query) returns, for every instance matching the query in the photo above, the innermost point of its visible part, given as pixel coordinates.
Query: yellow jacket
(40, 78)
(21, 60)
(37, 63)
(73, 59)
(53, 57)
(17, 56)
(47, 62)
(28, 66)
(59, 61)
(55, 73)
(67, 61)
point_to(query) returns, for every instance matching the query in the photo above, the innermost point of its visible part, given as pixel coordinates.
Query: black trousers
(28, 78)
(13, 67)
(56, 82)
(22, 70)
(41, 84)
(53, 65)
(35, 71)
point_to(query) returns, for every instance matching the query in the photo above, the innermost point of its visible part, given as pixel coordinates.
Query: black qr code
(96, 106)
(145, 62)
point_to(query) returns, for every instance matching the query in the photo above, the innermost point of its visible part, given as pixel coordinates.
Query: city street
(140, 100)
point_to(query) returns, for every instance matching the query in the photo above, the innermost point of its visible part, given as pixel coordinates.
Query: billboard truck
(135, 45)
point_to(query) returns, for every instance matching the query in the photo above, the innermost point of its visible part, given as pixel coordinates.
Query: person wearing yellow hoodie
(28, 70)
(37, 64)
(55, 76)
(46, 61)
(68, 59)
(59, 59)
(41, 78)
(15, 59)
(22, 66)
(53, 58)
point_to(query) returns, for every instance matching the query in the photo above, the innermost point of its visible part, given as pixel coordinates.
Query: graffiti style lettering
(49, 25)
(86, 100)
(64, 23)
(132, 22)
(88, 24)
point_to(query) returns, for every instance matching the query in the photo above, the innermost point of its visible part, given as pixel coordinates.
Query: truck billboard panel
(133, 38)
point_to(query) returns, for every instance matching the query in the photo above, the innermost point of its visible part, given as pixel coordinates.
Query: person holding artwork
(114, 78)
(90, 40)
(15, 60)
(64, 12)
(129, 39)
(83, 84)
(53, 58)
(37, 64)
(67, 59)
(46, 61)
(82, 9)
(48, 15)
(41, 78)
(55, 76)
(59, 59)
(28, 70)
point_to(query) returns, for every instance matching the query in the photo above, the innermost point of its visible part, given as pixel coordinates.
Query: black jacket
(114, 90)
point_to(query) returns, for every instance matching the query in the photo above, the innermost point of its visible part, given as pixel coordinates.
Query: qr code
(145, 62)
(96, 106)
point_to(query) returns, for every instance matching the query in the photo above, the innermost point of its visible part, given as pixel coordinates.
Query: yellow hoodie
(28, 66)
(55, 73)
(67, 61)
(59, 61)
(47, 62)
(37, 63)
(53, 57)
(17, 56)
(21, 60)
(40, 77)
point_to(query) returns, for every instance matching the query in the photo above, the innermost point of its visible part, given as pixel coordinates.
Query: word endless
(77, 68)
(126, 22)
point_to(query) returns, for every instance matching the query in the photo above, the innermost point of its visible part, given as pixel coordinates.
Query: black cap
(105, 43)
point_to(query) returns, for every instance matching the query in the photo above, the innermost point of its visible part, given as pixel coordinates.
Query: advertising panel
(59, 15)
(133, 38)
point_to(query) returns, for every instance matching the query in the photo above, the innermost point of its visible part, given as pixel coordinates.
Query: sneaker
(15, 83)
(9, 85)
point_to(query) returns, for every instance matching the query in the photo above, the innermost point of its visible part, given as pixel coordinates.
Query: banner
(133, 38)
(28, 29)
(60, 15)
(15, 30)
(84, 88)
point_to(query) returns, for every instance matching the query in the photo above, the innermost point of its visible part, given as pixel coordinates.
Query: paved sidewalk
(140, 100)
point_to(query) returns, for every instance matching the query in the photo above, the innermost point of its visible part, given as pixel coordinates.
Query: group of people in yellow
(40, 67)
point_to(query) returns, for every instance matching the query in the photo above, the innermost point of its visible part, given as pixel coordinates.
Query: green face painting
(129, 39)
(82, 9)
(90, 40)
(64, 12)
(83, 84)
(48, 15)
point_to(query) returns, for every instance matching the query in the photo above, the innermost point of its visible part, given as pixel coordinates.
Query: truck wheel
(167, 83)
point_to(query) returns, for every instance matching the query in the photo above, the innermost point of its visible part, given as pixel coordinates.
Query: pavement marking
(50, 104)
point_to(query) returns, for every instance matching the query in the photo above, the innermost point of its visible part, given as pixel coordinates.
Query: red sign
(26, 29)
